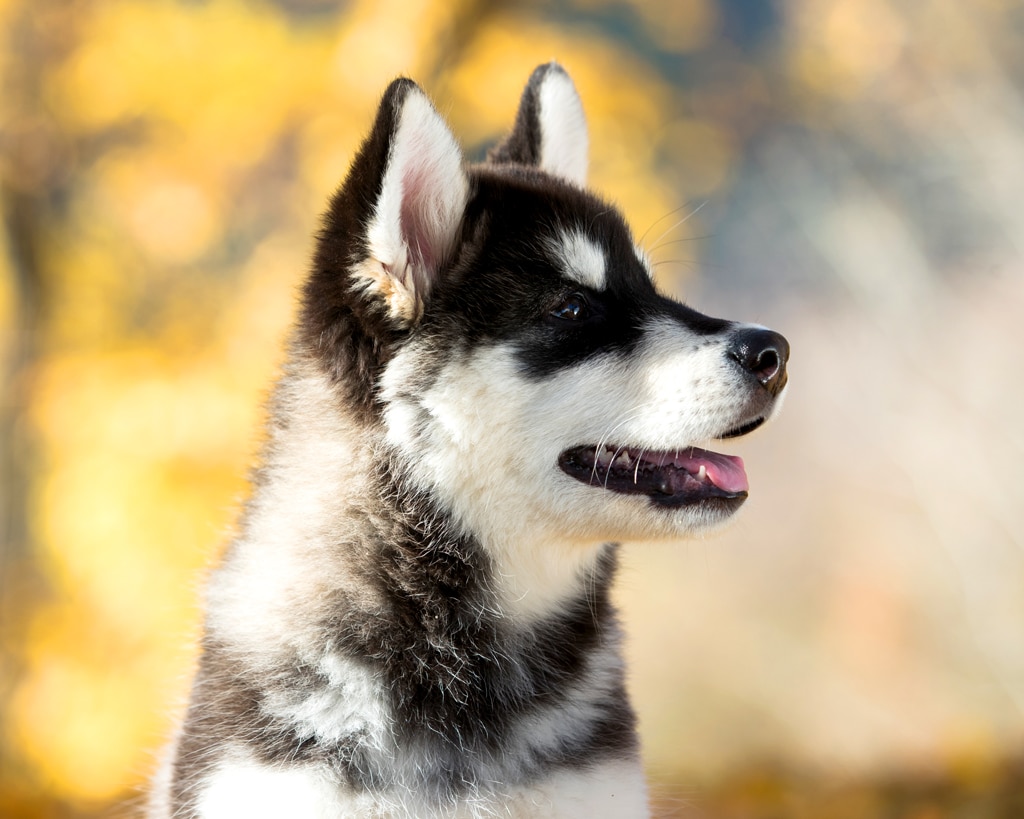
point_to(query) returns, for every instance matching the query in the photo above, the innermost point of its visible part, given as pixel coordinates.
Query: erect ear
(550, 131)
(410, 172)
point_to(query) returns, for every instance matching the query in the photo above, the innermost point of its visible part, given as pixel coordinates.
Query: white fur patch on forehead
(581, 259)
(563, 128)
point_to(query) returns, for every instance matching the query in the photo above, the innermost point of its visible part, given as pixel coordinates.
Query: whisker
(692, 263)
(630, 415)
(608, 474)
(661, 219)
(689, 264)
(680, 241)
(686, 218)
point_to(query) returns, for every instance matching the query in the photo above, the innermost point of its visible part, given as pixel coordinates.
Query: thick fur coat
(484, 393)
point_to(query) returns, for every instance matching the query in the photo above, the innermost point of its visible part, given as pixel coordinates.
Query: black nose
(763, 354)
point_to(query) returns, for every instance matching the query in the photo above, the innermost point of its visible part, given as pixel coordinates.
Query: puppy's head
(500, 328)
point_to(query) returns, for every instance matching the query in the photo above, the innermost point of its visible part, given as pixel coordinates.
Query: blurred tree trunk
(34, 167)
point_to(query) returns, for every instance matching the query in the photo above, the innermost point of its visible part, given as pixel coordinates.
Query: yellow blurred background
(850, 172)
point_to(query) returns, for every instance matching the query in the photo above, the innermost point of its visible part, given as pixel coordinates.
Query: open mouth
(682, 477)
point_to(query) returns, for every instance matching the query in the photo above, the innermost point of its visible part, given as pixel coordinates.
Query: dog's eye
(572, 308)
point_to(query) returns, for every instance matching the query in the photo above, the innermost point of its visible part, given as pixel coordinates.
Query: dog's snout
(762, 353)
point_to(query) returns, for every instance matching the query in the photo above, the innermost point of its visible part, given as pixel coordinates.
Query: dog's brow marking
(580, 258)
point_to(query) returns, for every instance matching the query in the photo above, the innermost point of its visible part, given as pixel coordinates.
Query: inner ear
(550, 130)
(422, 196)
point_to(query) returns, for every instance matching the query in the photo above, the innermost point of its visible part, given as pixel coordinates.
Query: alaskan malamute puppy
(484, 393)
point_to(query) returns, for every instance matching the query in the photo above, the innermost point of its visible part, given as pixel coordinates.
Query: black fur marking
(505, 288)
(352, 334)
(745, 429)
(458, 681)
(502, 280)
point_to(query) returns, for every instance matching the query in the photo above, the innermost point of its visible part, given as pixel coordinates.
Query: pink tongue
(724, 471)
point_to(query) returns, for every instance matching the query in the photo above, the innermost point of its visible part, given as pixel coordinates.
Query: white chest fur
(246, 788)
